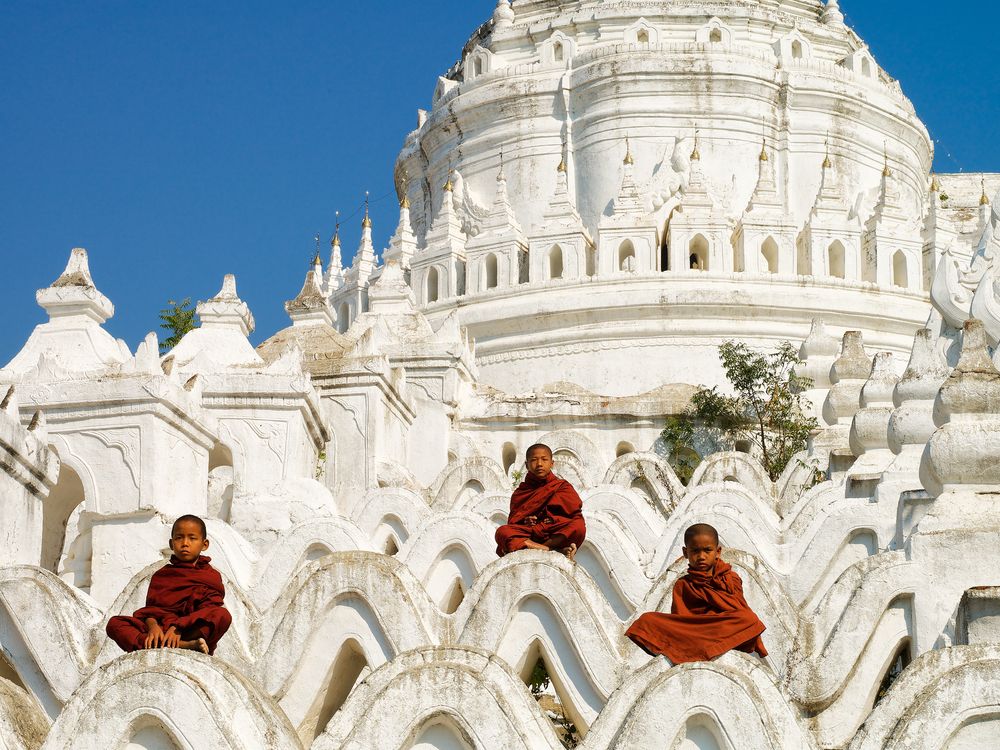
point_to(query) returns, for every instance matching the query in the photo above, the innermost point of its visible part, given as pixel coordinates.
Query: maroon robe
(708, 617)
(187, 596)
(556, 508)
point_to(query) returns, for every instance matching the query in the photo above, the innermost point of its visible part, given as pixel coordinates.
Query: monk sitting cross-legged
(184, 604)
(545, 511)
(709, 615)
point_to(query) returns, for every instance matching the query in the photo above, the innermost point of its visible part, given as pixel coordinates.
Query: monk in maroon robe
(184, 604)
(545, 511)
(709, 615)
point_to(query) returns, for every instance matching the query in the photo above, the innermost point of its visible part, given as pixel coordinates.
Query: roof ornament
(629, 159)
(935, 185)
(827, 162)
(404, 188)
(335, 242)
(500, 175)
(983, 199)
(366, 223)
(695, 153)
(832, 14)
(317, 260)
(886, 172)
(562, 158)
(449, 186)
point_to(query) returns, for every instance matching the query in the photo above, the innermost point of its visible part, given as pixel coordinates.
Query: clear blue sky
(179, 141)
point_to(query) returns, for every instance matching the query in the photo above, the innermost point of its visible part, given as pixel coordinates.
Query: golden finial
(984, 199)
(935, 185)
(763, 150)
(317, 260)
(886, 172)
(335, 242)
(827, 162)
(500, 175)
(366, 223)
(695, 153)
(629, 161)
(449, 186)
(404, 188)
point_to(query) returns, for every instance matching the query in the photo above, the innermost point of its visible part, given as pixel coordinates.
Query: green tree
(178, 318)
(766, 409)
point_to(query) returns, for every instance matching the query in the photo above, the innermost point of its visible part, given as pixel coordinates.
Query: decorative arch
(454, 694)
(558, 49)
(182, 693)
(642, 32)
(715, 32)
(479, 62)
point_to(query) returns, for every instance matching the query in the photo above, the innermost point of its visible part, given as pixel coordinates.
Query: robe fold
(187, 596)
(539, 510)
(708, 617)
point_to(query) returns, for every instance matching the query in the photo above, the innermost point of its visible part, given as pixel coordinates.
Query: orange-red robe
(708, 617)
(187, 596)
(556, 508)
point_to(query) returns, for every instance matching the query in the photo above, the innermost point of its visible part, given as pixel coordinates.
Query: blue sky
(180, 141)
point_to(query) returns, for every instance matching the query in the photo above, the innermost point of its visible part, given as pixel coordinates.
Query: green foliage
(178, 318)
(765, 410)
(678, 436)
(517, 476)
(539, 679)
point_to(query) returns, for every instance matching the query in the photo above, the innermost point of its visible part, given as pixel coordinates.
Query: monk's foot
(570, 552)
(534, 545)
(198, 644)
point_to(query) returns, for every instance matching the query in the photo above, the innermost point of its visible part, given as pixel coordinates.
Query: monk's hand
(154, 634)
(171, 639)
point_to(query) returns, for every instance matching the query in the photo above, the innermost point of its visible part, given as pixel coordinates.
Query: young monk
(184, 604)
(545, 511)
(709, 615)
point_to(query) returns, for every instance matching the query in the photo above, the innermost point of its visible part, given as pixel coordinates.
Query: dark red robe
(556, 508)
(708, 617)
(188, 596)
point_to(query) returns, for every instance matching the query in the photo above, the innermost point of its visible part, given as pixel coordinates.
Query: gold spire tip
(629, 160)
(366, 222)
(984, 199)
(763, 150)
(449, 186)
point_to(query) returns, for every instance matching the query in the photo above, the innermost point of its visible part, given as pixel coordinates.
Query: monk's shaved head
(535, 447)
(700, 529)
(190, 519)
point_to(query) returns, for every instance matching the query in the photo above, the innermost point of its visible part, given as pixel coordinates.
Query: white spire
(832, 14)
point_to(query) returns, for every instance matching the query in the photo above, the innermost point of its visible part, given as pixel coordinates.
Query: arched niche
(441, 733)
(698, 253)
(769, 253)
(625, 251)
(900, 276)
(555, 268)
(343, 317)
(57, 508)
(491, 271)
(431, 285)
(508, 456)
(837, 260)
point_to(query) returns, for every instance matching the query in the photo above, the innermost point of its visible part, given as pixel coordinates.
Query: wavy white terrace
(674, 175)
